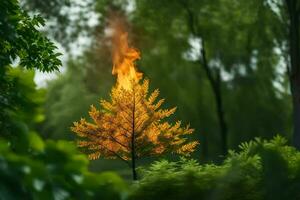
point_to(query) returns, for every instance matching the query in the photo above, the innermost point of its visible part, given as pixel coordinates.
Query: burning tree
(132, 124)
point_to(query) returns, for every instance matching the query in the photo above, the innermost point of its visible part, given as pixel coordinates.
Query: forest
(150, 99)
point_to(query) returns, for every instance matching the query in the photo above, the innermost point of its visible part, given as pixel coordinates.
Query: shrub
(53, 170)
(259, 170)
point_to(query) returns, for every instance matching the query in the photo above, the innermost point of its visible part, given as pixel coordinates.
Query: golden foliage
(132, 124)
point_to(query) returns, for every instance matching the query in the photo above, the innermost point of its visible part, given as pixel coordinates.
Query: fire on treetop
(123, 56)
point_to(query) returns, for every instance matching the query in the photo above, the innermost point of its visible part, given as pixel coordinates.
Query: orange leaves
(132, 118)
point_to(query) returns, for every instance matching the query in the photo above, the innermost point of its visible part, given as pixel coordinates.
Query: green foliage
(261, 169)
(20, 38)
(20, 103)
(241, 38)
(69, 97)
(53, 170)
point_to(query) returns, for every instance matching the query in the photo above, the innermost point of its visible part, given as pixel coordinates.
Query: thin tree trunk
(216, 85)
(221, 116)
(294, 51)
(214, 79)
(133, 156)
(133, 167)
(296, 115)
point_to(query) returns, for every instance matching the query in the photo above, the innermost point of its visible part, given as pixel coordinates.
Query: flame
(123, 57)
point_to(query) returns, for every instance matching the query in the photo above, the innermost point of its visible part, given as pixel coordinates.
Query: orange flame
(123, 56)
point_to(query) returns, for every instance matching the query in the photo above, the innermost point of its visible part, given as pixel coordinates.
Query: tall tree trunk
(214, 78)
(296, 113)
(294, 51)
(216, 84)
(221, 116)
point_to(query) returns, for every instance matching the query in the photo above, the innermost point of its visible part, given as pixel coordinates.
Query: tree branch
(115, 153)
(207, 70)
(120, 126)
(191, 18)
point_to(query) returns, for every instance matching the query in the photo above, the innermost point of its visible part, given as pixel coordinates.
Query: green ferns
(259, 170)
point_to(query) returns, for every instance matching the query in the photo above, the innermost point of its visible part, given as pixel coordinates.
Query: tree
(131, 126)
(213, 75)
(20, 40)
(239, 49)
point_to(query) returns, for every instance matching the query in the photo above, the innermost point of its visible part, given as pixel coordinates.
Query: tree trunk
(220, 113)
(133, 156)
(294, 75)
(296, 113)
(214, 79)
(134, 174)
(216, 84)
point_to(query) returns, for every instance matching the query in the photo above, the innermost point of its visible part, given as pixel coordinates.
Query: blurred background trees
(238, 91)
(223, 64)
(229, 66)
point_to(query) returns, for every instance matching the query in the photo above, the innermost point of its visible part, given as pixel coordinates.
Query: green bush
(259, 170)
(53, 170)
